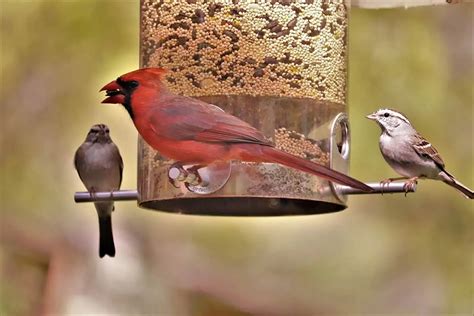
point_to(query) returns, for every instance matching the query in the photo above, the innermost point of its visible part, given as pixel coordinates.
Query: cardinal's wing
(184, 118)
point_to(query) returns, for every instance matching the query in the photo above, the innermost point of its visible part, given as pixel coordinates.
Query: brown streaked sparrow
(99, 165)
(409, 154)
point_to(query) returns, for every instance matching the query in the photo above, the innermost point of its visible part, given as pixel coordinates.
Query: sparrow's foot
(176, 173)
(111, 198)
(384, 183)
(92, 193)
(410, 185)
(387, 182)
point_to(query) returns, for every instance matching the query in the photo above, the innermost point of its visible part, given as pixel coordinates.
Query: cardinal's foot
(193, 177)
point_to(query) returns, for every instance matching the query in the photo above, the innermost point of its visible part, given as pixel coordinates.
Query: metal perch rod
(132, 195)
(121, 195)
(394, 187)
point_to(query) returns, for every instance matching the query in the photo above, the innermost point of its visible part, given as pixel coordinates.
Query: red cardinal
(193, 132)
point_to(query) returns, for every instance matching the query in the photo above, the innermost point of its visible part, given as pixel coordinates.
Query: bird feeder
(280, 66)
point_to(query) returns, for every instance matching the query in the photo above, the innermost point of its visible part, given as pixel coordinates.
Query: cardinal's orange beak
(114, 93)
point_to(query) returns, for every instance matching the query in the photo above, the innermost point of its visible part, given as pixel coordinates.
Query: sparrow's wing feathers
(196, 120)
(77, 159)
(120, 161)
(425, 149)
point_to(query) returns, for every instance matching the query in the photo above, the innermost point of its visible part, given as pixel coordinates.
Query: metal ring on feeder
(340, 149)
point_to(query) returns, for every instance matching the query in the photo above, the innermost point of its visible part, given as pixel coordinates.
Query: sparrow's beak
(372, 116)
(113, 92)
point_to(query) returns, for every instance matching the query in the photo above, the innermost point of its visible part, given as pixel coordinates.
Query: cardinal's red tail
(274, 155)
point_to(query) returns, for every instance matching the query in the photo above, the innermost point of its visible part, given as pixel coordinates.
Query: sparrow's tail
(450, 180)
(274, 155)
(106, 238)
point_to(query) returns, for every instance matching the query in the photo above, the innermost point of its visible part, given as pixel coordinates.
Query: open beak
(372, 116)
(113, 92)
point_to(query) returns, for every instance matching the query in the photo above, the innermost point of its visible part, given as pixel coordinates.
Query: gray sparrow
(99, 165)
(409, 154)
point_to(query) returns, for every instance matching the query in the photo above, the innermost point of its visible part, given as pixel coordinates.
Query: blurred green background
(390, 255)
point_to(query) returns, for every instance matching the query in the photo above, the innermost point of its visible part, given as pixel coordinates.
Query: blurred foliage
(384, 255)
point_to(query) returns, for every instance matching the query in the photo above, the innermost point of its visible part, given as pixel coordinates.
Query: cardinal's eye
(386, 114)
(133, 84)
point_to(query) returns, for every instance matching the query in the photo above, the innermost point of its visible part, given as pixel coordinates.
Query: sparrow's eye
(386, 114)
